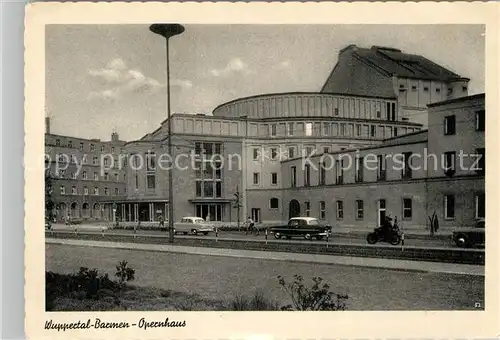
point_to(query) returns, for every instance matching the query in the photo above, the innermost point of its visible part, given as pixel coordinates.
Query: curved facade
(282, 105)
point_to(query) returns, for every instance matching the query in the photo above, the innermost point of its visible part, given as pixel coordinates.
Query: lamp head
(167, 30)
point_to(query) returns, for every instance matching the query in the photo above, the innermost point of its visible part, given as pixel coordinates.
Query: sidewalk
(336, 231)
(405, 265)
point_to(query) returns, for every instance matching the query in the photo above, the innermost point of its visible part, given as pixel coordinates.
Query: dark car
(468, 237)
(303, 227)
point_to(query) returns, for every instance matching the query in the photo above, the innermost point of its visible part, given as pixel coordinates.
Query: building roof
(458, 100)
(394, 62)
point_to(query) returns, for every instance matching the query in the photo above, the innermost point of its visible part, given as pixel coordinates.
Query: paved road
(335, 239)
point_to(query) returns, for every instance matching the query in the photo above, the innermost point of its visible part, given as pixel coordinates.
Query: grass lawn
(211, 280)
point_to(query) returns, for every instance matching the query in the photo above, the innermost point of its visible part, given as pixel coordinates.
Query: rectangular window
(339, 171)
(290, 131)
(84, 175)
(307, 175)
(308, 129)
(291, 152)
(449, 163)
(309, 150)
(106, 191)
(92, 147)
(150, 162)
(70, 144)
(322, 210)
(388, 111)
(359, 210)
(326, 149)
(480, 205)
(379, 115)
(395, 132)
(106, 176)
(102, 148)
(342, 129)
(151, 179)
(358, 130)
(136, 180)
(293, 176)
(480, 161)
(359, 169)
(381, 168)
(112, 149)
(256, 178)
(273, 130)
(208, 189)
(256, 154)
(63, 190)
(449, 125)
(336, 111)
(438, 90)
(218, 189)
(326, 129)
(96, 191)
(62, 173)
(73, 190)
(81, 146)
(58, 142)
(96, 176)
(117, 192)
(322, 173)
(372, 130)
(94, 160)
(407, 208)
(449, 207)
(73, 175)
(426, 89)
(198, 188)
(308, 208)
(274, 154)
(480, 120)
(274, 178)
(340, 210)
(406, 171)
(85, 190)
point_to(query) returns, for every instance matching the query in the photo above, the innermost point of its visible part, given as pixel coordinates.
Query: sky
(105, 78)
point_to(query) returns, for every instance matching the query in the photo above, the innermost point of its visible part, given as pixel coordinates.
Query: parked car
(304, 227)
(193, 225)
(467, 237)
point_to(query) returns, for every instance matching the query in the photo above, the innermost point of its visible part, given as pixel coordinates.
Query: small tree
(49, 202)
(124, 273)
(316, 298)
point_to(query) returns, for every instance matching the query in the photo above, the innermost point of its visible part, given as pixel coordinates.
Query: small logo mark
(477, 305)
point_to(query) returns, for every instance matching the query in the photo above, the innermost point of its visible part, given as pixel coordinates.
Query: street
(240, 235)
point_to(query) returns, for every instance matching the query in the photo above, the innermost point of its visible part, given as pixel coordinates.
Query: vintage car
(193, 225)
(303, 227)
(468, 237)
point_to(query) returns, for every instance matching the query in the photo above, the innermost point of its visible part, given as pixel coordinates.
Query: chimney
(115, 137)
(47, 125)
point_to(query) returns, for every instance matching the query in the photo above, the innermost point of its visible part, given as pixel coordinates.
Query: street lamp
(167, 31)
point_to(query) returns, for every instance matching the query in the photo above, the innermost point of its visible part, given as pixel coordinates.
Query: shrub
(316, 298)
(124, 273)
(86, 284)
(258, 302)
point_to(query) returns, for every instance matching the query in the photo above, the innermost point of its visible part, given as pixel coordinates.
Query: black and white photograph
(261, 167)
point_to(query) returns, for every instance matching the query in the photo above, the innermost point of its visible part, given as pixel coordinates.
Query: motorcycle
(380, 235)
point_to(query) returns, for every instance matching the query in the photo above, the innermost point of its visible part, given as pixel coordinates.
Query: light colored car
(193, 225)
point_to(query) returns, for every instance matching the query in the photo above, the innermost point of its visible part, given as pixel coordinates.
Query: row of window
(407, 207)
(85, 176)
(406, 169)
(450, 123)
(82, 146)
(256, 178)
(402, 87)
(62, 158)
(335, 129)
(74, 191)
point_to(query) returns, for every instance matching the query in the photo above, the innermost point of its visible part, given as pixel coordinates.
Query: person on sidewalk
(250, 225)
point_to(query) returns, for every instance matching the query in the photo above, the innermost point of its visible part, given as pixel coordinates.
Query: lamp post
(167, 31)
